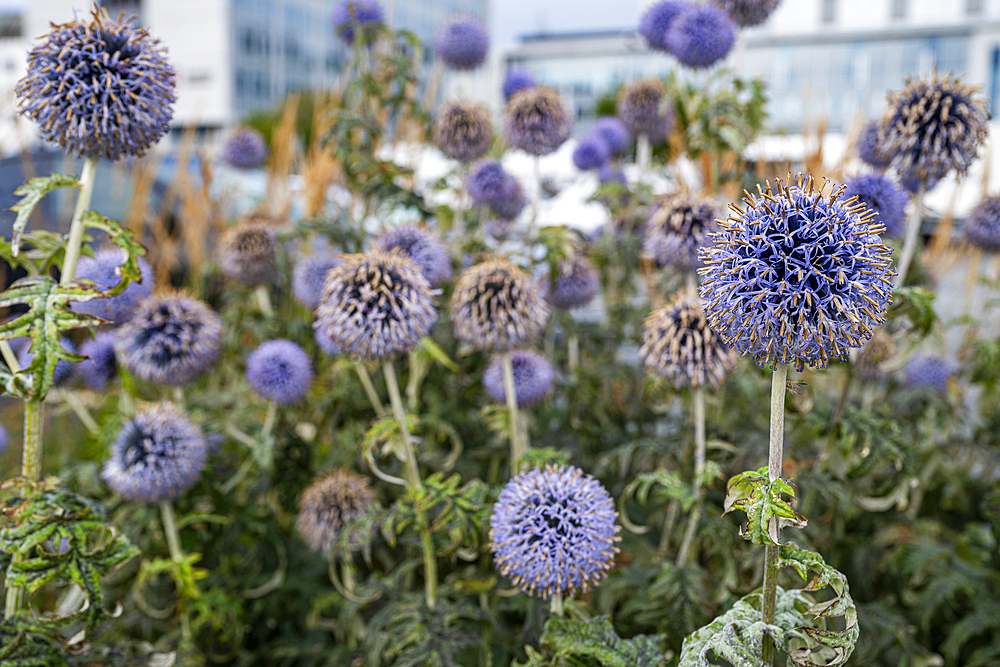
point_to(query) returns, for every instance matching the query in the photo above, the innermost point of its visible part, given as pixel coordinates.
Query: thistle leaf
(24, 642)
(566, 640)
(761, 500)
(124, 239)
(31, 193)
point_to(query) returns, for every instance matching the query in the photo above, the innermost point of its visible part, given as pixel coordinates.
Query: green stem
(912, 233)
(264, 301)
(76, 228)
(31, 468)
(178, 395)
(518, 446)
(643, 152)
(556, 604)
(177, 555)
(270, 419)
(778, 380)
(81, 411)
(369, 386)
(699, 467)
(9, 356)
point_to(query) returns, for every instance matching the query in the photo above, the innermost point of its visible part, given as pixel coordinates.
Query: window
(828, 11)
(897, 9)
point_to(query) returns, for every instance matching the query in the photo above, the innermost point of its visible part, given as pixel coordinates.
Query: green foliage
(456, 515)
(31, 193)
(25, 642)
(915, 307)
(405, 633)
(124, 239)
(721, 114)
(761, 500)
(593, 643)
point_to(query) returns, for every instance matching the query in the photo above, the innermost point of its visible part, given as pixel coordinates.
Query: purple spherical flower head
(934, 126)
(701, 36)
(591, 152)
(510, 205)
(533, 375)
(424, 246)
(308, 277)
(463, 130)
(99, 89)
(930, 371)
(609, 174)
(576, 287)
(486, 181)
(640, 107)
(614, 133)
(101, 269)
(497, 305)
(497, 228)
(157, 456)
(517, 80)
(982, 227)
(351, 16)
(462, 43)
(678, 228)
(553, 531)
(328, 504)
(101, 366)
(376, 305)
(64, 369)
(536, 121)
(869, 146)
(797, 276)
(656, 21)
(171, 339)
(748, 13)
(244, 149)
(880, 194)
(279, 370)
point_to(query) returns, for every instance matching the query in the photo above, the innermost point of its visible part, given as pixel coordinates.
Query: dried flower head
(101, 365)
(536, 121)
(102, 270)
(248, 253)
(680, 346)
(553, 531)
(576, 284)
(309, 274)
(158, 455)
(982, 226)
(171, 339)
(462, 42)
(352, 17)
(748, 13)
(679, 227)
(517, 80)
(497, 305)
(244, 149)
(882, 196)
(641, 106)
(614, 133)
(463, 131)
(930, 371)
(798, 276)
(533, 376)
(421, 244)
(376, 305)
(279, 370)
(934, 126)
(101, 88)
(701, 35)
(656, 21)
(328, 505)
(591, 152)
(64, 370)
(869, 146)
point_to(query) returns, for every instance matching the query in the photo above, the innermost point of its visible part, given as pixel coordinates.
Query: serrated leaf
(124, 239)
(24, 642)
(597, 640)
(405, 633)
(31, 193)
(761, 500)
(455, 514)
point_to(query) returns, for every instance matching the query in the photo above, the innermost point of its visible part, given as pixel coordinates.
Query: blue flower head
(244, 149)
(326, 506)
(591, 152)
(424, 246)
(642, 107)
(869, 147)
(463, 131)
(353, 16)
(462, 42)
(930, 371)
(553, 531)
(679, 226)
(279, 370)
(101, 88)
(748, 13)
(576, 284)
(489, 184)
(496, 305)
(982, 226)
(102, 270)
(510, 205)
(536, 121)
(656, 21)
(308, 277)
(883, 197)
(517, 80)
(701, 36)
(614, 133)
(158, 455)
(533, 376)
(101, 366)
(797, 276)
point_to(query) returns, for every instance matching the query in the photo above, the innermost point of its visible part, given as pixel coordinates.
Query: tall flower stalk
(774, 457)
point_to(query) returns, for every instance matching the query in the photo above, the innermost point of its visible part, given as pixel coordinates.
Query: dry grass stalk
(284, 153)
(319, 167)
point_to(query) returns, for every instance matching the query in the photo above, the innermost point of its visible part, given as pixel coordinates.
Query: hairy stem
(369, 386)
(76, 227)
(31, 468)
(912, 234)
(774, 472)
(699, 467)
(518, 446)
(177, 555)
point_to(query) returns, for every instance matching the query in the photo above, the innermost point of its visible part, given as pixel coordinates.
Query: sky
(513, 18)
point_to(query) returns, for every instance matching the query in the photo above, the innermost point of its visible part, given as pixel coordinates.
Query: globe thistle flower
(422, 245)
(171, 339)
(328, 504)
(101, 366)
(639, 107)
(934, 126)
(490, 185)
(244, 149)
(701, 36)
(101, 88)
(576, 287)
(102, 270)
(679, 345)
(326, 343)
(463, 131)
(656, 21)
(591, 152)
(613, 132)
(462, 43)
(533, 376)
(536, 121)
(497, 228)
(515, 81)
(157, 456)
(510, 205)
(609, 174)
(553, 531)
(869, 147)
(679, 226)
(929, 371)
(798, 276)
(279, 370)
(352, 16)
(308, 277)
(64, 369)
(248, 253)
(982, 226)
(376, 305)
(879, 194)
(496, 305)
(748, 13)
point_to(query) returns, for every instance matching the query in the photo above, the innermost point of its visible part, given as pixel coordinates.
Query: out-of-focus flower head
(798, 276)
(614, 133)
(497, 228)
(576, 284)
(64, 370)
(490, 185)
(424, 246)
(279, 370)
(101, 366)
(982, 226)
(701, 35)
(328, 504)
(158, 455)
(533, 375)
(641, 107)
(309, 274)
(536, 121)
(101, 88)
(930, 371)
(496, 305)
(101, 269)
(510, 205)
(376, 305)
(248, 252)
(656, 21)
(462, 42)
(591, 152)
(171, 339)
(869, 146)
(244, 149)
(748, 13)
(553, 531)
(463, 130)
(884, 197)
(517, 80)
(934, 126)
(353, 16)
(678, 228)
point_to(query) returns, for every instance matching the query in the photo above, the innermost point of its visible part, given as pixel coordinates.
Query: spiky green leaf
(761, 500)
(31, 193)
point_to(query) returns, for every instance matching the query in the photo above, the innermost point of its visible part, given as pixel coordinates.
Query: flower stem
(533, 231)
(556, 605)
(369, 386)
(270, 419)
(177, 555)
(699, 467)
(773, 472)
(413, 472)
(643, 151)
(31, 468)
(912, 232)
(264, 301)
(76, 228)
(518, 446)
